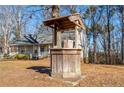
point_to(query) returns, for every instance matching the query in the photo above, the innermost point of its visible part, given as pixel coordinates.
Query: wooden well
(65, 61)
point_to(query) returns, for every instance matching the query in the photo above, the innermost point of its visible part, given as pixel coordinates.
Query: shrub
(6, 55)
(22, 56)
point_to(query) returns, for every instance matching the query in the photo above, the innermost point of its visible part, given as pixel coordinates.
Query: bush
(6, 55)
(22, 56)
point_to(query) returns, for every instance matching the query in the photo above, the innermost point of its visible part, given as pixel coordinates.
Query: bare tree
(21, 18)
(122, 25)
(6, 26)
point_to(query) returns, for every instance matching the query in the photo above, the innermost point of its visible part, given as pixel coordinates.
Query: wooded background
(104, 35)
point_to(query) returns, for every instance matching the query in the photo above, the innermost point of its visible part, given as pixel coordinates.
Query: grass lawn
(36, 73)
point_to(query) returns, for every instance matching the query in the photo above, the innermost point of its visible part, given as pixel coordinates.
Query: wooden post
(55, 37)
(76, 36)
(79, 40)
(58, 39)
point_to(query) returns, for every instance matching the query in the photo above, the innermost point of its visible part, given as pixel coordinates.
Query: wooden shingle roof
(65, 22)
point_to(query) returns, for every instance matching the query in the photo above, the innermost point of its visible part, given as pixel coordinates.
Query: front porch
(39, 51)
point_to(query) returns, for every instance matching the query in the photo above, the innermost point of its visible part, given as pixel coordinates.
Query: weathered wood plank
(76, 37)
(68, 43)
(65, 64)
(58, 39)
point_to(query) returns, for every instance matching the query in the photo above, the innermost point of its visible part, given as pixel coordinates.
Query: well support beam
(76, 37)
(55, 36)
(58, 39)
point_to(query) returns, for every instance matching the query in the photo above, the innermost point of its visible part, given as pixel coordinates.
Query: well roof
(65, 22)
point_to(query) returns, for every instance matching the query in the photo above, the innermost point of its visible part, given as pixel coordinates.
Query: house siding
(33, 50)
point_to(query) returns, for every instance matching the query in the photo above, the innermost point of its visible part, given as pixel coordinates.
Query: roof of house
(44, 38)
(41, 39)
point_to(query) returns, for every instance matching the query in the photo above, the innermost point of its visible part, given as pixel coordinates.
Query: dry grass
(36, 73)
(102, 75)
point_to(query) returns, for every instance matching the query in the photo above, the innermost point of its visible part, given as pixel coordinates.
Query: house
(36, 47)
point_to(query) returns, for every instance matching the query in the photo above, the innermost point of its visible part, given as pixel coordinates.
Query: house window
(22, 51)
(35, 51)
(41, 49)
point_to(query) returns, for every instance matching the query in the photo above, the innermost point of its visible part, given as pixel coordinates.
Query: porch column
(49, 49)
(39, 51)
(10, 48)
(25, 50)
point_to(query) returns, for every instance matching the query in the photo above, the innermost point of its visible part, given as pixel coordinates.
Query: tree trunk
(94, 41)
(94, 47)
(105, 45)
(109, 39)
(85, 47)
(55, 13)
(18, 32)
(5, 45)
(122, 42)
